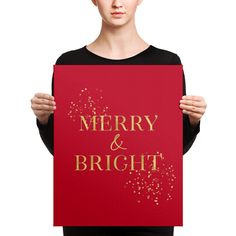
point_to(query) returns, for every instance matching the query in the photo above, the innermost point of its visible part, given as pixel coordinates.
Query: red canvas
(118, 145)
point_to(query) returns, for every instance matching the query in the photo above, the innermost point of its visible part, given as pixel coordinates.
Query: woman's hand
(43, 105)
(194, 107)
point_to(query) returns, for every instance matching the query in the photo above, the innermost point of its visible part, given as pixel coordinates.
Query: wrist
(43, 120)
(194, 122)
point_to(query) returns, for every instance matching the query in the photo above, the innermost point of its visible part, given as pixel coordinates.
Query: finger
(45, 101)
(42, 107)
(191, 103)
(192, 97)
(44, 96)
(192, 109)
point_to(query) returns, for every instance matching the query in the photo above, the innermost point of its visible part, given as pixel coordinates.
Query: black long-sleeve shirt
(149, 56)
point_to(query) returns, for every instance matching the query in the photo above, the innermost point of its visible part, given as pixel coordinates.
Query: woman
(118, 43)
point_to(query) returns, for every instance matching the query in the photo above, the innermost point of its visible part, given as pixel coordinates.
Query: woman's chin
(116, 22)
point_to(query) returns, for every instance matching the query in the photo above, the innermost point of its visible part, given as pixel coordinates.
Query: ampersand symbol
(116, 144)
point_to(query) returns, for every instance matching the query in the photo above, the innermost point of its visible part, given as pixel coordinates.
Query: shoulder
(162, 56)
(71, 57)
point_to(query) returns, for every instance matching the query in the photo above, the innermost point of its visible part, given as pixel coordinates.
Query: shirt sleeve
(46, 133)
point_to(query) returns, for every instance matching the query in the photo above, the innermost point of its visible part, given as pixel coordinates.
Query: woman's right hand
(43, 105)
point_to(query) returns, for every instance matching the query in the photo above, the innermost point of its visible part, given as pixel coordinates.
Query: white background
(35, 33)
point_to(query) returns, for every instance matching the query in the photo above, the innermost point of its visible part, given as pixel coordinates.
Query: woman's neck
(118, 42)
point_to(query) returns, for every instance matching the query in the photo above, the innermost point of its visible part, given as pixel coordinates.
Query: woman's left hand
(194, 107)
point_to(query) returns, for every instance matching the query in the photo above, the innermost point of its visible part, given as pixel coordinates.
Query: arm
(189, 132)
(46, 130)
